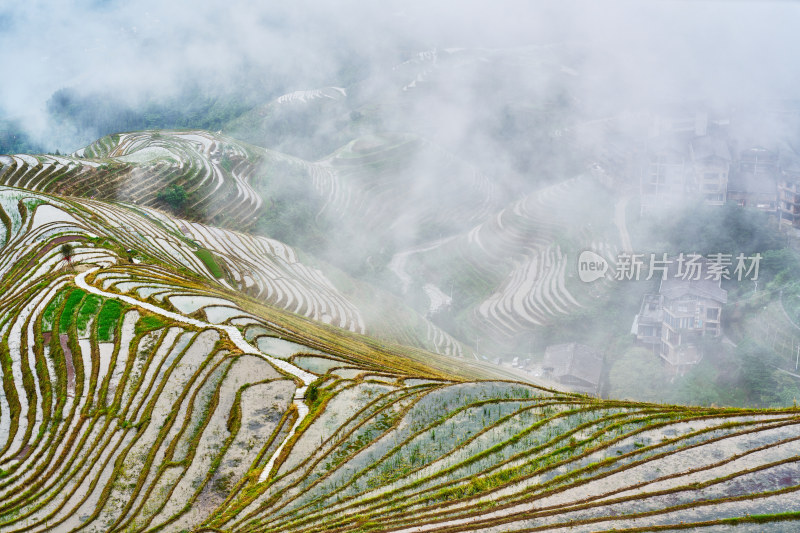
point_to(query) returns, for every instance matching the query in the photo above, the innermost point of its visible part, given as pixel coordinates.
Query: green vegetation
(174, 196)
(107, 319)
(637, 374)
(14, 139)
(293, 207)
(89, 308)
(208, 260)
(747, 375)
(226, 163)
(148, 323)
(191, 107)
(68, 314)
(711, 229)
(312, 393)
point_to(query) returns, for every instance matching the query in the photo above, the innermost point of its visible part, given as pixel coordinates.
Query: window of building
(672, 321)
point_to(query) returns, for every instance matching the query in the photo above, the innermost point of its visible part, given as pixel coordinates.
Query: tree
(638, 375)
(787, 389)
(67, 251)
(312, 393)
(760, 381)
(174, 196)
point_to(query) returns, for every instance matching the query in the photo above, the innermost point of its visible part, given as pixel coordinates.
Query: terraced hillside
(232, 184)
(379, 178)
(306, 123)
(372, 182)
(517, 269)
(268, 269)
(215, 172)
(226, 182)
(144, 392)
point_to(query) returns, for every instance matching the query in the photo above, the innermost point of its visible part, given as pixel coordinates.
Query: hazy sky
(148, 47)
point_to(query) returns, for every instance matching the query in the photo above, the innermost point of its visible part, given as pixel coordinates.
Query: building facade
(711, 163)
(577, 366)
(673, 321)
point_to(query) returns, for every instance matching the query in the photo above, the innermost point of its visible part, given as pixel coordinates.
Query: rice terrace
(399, 268)
(151, 394)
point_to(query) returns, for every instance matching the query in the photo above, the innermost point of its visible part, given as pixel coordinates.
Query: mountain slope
(147, 395)
(226, 182)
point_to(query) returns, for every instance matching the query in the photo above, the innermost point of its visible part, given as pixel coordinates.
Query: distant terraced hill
(150, 393)
(392, 182)
(308, 123)
(233, 184)
(216, 173)
(516, 270)
(240, 187)
(511, 269)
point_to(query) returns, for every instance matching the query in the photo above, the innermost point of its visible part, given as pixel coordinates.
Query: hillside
(393, 152)
(513, 273)
(230, 183)
(404, 267)
(167, 374)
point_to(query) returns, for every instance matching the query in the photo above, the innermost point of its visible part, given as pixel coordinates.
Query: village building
(789, 189)
(574, 365)
(754, 180)
(685, 309)
(647, 324)
(711, 162)
(680, 121)
(663, 179)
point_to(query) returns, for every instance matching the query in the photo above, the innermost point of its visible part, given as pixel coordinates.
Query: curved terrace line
(236, 337)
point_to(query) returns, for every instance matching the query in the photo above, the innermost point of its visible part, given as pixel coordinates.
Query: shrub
(174, 196)
(312, 393)
(66, 251)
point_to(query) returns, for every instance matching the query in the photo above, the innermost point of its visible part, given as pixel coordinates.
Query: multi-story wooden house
(711, 162)
(754, 180)
(663, 179)
(685, 309)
